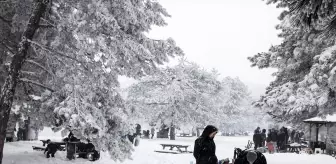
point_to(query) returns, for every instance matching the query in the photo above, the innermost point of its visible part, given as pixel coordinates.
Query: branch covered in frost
(39, 65)
(36, 83)
(49, 49)
(6, 21)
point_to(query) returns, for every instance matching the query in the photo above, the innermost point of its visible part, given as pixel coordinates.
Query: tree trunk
(8, 89)
(172, 132)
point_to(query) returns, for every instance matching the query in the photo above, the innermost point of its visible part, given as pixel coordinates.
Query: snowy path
(21, 153)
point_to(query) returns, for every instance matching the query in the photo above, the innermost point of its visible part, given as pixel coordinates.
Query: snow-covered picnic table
(294, 147)
(180, 148)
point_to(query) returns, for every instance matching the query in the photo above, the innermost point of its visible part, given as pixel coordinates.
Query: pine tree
(303, 87)
(71, 55)
(232, 101)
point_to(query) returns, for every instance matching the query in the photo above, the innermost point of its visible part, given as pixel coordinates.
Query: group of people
(149, 134)
(87, 149)
(205, 150)
(275, 140)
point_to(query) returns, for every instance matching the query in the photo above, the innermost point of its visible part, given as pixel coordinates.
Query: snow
(22, 153)
(327, 53)
(328, 118)
(34, 97)
(16, 109)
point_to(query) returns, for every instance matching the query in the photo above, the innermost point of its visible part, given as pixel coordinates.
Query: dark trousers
(52, 153)
(257, 145)
(152, 136)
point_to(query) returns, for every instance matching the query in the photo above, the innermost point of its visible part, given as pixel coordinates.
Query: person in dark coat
(281, 139)
(274, 137)
(138, 129)
(257, 130)
(292, 136)
(286, 135)
(205, 148)
(250, 157)
(152, 132)
(257, 139)
(51, 149)
(297, 137)
(70, 146)
(263, 138)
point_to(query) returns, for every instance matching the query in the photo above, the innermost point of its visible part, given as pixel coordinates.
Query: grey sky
(221, 34)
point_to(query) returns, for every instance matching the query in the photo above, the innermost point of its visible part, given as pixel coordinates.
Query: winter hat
(208, 130)
(251, 156)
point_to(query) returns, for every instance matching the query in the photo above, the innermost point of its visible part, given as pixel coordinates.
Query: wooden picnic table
(57, 143)
(178, 147)
(294, 149)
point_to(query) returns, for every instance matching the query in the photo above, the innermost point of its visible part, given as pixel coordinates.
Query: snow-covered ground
(22, 153)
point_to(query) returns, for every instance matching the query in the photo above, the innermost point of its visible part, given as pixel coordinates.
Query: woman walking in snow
(205, 148)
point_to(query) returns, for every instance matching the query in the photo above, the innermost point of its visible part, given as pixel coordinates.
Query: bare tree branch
(36, 83)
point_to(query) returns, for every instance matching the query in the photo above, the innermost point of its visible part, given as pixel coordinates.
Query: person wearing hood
(205, 148)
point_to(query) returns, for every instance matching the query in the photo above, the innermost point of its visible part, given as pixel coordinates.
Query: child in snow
(269, 145)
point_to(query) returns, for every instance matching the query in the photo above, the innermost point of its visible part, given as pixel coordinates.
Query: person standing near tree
(274, 138)
(205, 148)
(152, 132)
(292, 136)
(257, 139)
(281, 139)
(263, 138)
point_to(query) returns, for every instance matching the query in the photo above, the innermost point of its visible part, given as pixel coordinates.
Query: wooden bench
(37, 148)
(60, 144)
(57, 143)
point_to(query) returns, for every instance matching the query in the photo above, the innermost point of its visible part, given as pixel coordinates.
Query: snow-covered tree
(233, 100)
(305, 60)
(80, 48)
(177, 96)
(311, 14)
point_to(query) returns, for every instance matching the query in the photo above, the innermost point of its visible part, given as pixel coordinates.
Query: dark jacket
(205, 148)
(292, 134)
(281, 137)
(241, 159)
(263, 137)
(257, 138)
(52, 148)
(274, 136)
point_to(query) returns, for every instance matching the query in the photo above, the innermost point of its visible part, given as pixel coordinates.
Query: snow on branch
(48, 24)
(29, 73)
(36, 83)
(7, 47)
(6, 21)
(49, 49)
(39, 65)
